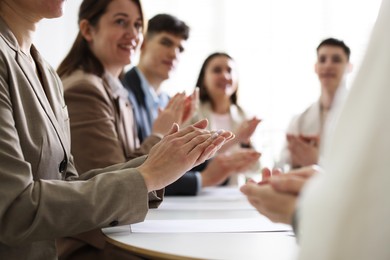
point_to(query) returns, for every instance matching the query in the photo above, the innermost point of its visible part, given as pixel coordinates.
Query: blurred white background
(273, 42)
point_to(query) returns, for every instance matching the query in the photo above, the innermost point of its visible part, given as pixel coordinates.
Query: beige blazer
(36, 204)
(103, 132)
(102, 124)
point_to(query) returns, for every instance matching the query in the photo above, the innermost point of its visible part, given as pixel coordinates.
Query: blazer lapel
(44, 95)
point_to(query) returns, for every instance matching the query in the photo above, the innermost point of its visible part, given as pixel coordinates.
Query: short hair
(336, 43)
(168, 23)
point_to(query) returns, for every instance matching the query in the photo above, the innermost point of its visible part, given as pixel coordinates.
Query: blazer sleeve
(42, 209)
(36, 204)
(189, 184)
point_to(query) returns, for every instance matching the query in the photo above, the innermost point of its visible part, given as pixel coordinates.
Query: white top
(345, 213)
(221, 121)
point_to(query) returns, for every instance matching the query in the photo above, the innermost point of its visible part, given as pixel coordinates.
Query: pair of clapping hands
(180, 110)
(303, 149)
(276, 195)
(179, 151)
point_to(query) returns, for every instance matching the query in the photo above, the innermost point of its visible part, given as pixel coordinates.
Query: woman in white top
(218, 86)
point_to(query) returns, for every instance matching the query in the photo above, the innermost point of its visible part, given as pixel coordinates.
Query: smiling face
(332, 64)
(116, 36)
(220, 78)
(160, 54)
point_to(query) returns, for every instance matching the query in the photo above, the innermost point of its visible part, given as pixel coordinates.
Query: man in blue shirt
(160, 51)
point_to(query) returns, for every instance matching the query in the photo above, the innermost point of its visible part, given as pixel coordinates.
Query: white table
(211, 206)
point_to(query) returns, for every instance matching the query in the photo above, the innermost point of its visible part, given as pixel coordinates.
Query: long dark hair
(80, 55)
(203, 94)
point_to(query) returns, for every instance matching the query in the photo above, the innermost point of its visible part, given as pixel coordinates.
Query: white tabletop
(229, 228)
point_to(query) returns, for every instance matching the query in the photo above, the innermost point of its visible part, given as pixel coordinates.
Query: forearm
(42, 210)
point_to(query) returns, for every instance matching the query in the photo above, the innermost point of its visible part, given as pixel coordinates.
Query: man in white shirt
(304, 131)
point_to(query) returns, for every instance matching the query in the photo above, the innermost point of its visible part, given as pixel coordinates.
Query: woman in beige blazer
(103, 130)
(40, 194)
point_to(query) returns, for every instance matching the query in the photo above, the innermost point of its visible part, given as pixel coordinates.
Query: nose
(227, 76)
(174, 53)
(133, 34)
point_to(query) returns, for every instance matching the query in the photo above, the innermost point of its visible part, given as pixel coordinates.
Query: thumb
(159, 110)
(174, 129)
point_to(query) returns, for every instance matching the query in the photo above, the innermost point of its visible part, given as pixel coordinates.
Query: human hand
(246, 130)
(190, 105)
(277, 206)
(276, 195)
(225, 165)
(178, 152)
(291, 182)
(172, 113)
(303, 149)
(243, 134)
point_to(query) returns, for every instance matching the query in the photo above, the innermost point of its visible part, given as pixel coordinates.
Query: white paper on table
(261, 224)
(213, 198)
(204, 205)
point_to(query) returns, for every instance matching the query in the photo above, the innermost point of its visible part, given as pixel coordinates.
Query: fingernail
(214, 135)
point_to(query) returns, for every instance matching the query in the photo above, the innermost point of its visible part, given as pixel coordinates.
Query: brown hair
(80, 56)
(203, 94)
(168, 23)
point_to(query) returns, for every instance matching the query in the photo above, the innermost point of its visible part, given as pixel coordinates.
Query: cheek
(210, 80)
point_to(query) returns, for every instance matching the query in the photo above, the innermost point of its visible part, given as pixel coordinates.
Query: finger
(266, 173)
(250, 189)
(276, 171)
(290, 137)
(159, 110)
(174, 129)
(208, 148)
(179, 101)
(254, 122)
(250, 180)
(200, 125)
(305, 172)
(291, 184)
(172, 101)
(226, 134)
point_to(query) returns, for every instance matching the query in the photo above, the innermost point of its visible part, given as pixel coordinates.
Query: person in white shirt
(304, 131)
(344, 212)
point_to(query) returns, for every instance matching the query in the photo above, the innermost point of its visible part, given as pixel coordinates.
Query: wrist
(157, 134)
(149, 181)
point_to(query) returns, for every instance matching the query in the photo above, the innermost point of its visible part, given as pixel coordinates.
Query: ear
(316, 68)
(144, 43)
(349, 67)
(85, 30)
